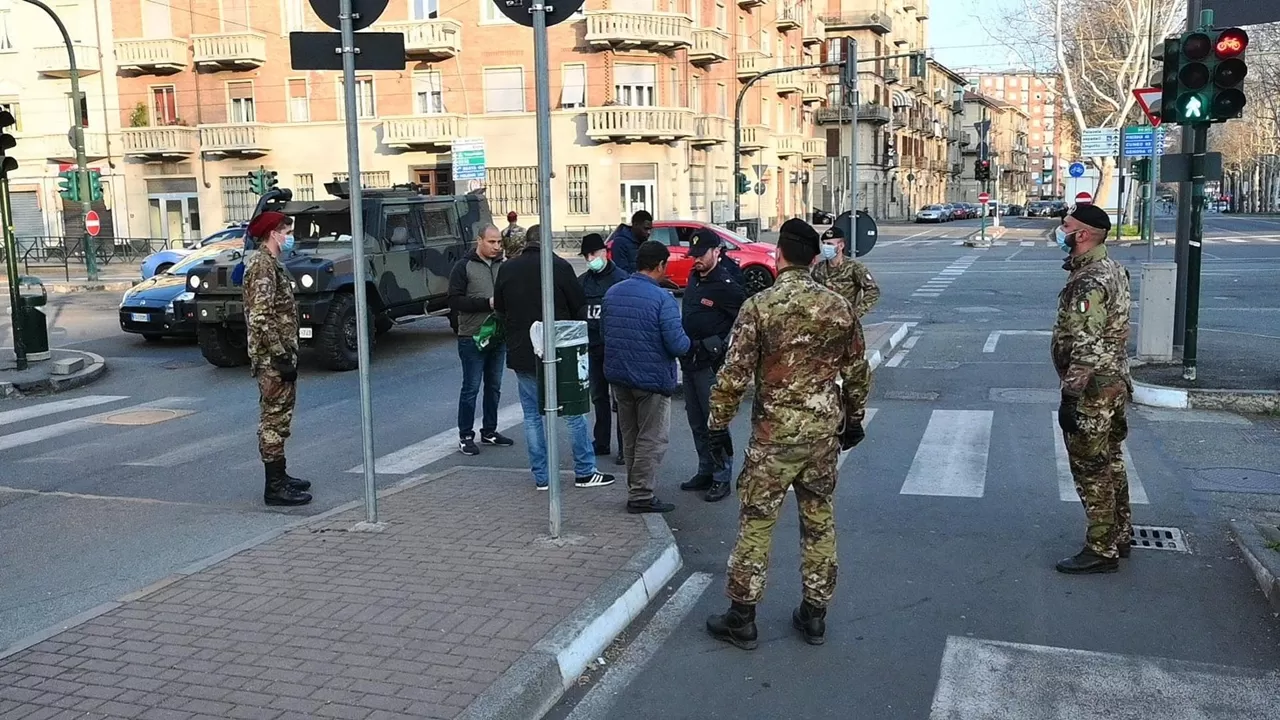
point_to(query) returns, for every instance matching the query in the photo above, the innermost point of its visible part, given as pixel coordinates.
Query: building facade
(1039, 98)
(643, 97)
(1006, 148)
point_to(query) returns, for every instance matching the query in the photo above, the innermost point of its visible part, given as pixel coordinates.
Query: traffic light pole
(77, 132)
(11, 271)
(1200, 139)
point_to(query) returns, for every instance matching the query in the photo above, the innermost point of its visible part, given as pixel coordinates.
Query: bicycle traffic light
(1202, 75)
(7, 143)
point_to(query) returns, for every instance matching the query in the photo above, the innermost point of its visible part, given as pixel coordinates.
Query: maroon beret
(265, 223)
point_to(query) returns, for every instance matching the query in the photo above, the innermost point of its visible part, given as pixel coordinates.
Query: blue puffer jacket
(640, 323)
(625, 249)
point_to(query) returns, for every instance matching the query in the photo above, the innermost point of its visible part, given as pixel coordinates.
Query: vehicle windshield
(211, 250)
(315, 229)
(931, 207)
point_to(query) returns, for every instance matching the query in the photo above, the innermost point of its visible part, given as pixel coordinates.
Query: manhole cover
(1031, 396)
(1153, 537)
(909, 395)
(180, 364)
(147, 416)
(1237, 480)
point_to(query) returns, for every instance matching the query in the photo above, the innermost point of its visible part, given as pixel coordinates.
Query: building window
(722, 100)
(240, 102)
(489, 13)
(294, 15)
(764, 113)
(235, 16)
(676, 99)
(299, 100)
(504, 89)
(6, 42)
(428, 93)
(722, 17)
(164, 106)
(697, 187)
(12, 105)
(579, 191)
(635, 84)
(84, 110)
(513, 188)
(573, 86)
(722, 186)
(304, 187)
(695, 95)
(425, 9)
(368, 178)
(238, 200)
(365, 105)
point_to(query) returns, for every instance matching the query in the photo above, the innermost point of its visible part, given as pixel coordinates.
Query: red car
(757, 260)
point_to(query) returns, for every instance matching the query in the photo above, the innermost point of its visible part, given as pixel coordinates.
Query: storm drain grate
(1152, 537)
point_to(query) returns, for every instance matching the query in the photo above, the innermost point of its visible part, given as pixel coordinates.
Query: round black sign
(865, 237)
(366, 10)
(557, 10)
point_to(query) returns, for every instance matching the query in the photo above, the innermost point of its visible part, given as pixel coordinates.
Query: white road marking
(994, 338)
(1067, 485)
(925, 295)
(911, 342)
(83, 496)
(190, 451)
(951, 459)
(47, 432)
(1027, 243)
(8, 417)
(866, 422)
(421, 454)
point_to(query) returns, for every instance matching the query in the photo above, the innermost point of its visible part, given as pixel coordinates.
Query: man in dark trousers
(517, 298)
(601, 275)
(627, 240)
(711, 303)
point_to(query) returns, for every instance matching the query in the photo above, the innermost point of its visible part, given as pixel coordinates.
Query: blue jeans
(584, 455)
(478, 365)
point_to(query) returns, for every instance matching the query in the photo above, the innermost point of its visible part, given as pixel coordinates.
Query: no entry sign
(92, 224)
(983, 197)
(1083, 198)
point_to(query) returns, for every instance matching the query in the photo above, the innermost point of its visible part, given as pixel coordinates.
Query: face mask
(287, 245)
(829, 252)
(596, 264)
(1066, 241)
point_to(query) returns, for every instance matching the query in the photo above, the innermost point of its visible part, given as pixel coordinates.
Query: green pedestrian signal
(69, 185)
(1191, 108)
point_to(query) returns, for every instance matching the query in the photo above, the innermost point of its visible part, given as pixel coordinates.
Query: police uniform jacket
(709, 310)
(594, 286)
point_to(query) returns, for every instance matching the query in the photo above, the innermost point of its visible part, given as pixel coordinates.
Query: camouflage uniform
(854, 282)
(513, 240)
(792, 341)
(273, 333)
(1089, 348)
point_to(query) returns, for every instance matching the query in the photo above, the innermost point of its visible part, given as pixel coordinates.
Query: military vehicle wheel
(338, 335)
(382, 324)
(223, 346)
(757, 279)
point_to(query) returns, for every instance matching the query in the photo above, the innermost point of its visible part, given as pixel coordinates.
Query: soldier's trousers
(1097, 465)
(762, 486)
(275, 413)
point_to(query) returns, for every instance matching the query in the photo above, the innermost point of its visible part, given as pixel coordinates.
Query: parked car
(971, 210)
(959, 212)
(1016, 210)
(1047, 208)
(158, 262)
(759, 261)
(932, 213)
(148, 308)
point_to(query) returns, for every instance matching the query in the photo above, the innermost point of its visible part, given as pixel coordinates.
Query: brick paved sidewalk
(421, 620)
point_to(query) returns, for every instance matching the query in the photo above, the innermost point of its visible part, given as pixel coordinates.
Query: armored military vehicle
(412, 242)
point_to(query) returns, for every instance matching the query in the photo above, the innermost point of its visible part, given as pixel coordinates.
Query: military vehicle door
(445, 245)
(401, 268)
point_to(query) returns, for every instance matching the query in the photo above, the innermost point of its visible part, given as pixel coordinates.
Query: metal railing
(57, 251)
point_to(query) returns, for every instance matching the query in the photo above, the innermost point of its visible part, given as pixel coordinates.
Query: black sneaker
(496, 438)
(652, 505)
(595, 479)
(602, 449)
(619, 459)
(697, 483)
(467, 446)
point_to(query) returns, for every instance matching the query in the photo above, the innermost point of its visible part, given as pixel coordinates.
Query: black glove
(287, 368)
(851, 435)
(720, 445)
(1067, 418)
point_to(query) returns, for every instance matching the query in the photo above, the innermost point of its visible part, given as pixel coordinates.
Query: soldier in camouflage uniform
(512, 237)
(273, 352)
(793, 342)
(848, 277)
(1089, 345)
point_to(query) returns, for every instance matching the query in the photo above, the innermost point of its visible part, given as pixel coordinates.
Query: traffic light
(981, 169)
(69, 185)
(269, 180)
(256, 182)
(1203, 72)
(849, 70)
(7, 143)
(1228, 75)
(744, 185)
(1142, 170)
(95, 186)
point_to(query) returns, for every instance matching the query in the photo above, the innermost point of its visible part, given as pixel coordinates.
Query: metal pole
(11, 270)
(983, 134)
(1201, 140)
(77, 133)
(357, 250)
(1184, 214)
(1153, 184)
(851, 99)
(542, 106)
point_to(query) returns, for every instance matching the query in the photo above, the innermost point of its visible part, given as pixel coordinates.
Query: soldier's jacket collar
(793, 272)
(1075, 262)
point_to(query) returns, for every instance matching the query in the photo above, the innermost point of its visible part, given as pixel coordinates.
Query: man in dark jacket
(601, 275)
(517, 299)
(711, 303)
(640, 323)
(471, 286)
(627, 239)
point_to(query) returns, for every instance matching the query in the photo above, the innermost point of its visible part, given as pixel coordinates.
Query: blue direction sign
(1138, 139)
(1076, 169)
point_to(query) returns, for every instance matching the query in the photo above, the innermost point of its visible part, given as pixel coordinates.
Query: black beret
(833, 233)
(592, 242)
(802, 231)
(1093, 216)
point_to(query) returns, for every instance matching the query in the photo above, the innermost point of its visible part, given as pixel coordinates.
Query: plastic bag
(568, 334)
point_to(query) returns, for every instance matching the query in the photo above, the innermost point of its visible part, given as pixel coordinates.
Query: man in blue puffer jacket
(643, 337)
(626, 240)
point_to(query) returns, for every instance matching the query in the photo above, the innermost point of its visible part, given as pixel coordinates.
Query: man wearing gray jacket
(471, 301)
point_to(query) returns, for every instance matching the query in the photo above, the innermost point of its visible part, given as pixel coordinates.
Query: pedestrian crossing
(950, 450)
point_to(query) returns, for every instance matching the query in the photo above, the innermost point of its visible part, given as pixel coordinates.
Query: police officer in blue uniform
(601, 275)
(711, 303)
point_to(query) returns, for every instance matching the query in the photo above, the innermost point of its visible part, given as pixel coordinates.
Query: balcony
(709, 46)
(788, 144)
(815, 91)
(710, 130)
(789, 18)
(813, 149)
(420, 132)
(754, 139)
(891, 76)
(234, 140)
(748, 4)
(832, 115)
(230, 51)
(752, 63)
(638, 30)
(873, 113)
(58, 147)
(789, 83)
(907, 162)
(866, 20)
(815, 31)
(428, 40)
(52, 61)
(151, 57)
(169, 142)
(620, 123)
(966, 138)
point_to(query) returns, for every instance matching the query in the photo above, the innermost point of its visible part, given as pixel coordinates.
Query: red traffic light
(1231, 43)
(1196, 46)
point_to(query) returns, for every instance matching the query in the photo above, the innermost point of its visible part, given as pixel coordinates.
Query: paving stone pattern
(412, 622)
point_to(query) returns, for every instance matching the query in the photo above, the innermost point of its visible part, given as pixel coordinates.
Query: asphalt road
(950, 514)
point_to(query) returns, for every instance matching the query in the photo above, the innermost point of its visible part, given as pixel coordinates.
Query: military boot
(277, 490)
(293, 482)
(737, 626)
(811, 622)
(1086, 562)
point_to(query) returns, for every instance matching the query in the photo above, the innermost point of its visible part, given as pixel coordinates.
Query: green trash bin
(573, 371)
(35, 325)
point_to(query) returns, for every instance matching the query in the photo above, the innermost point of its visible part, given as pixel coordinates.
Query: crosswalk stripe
(8, 417)
(1067, 485)
(421, 454)
(952, 457)
(46, 432)
(190, 451)
(1027, 243)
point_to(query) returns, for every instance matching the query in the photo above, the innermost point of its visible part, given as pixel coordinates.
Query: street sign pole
(1153, 183)
(1194, 241)
(851, 100)
(352, 123)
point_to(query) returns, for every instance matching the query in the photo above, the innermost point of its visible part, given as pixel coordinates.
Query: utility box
(35, 325)
(1156, 300)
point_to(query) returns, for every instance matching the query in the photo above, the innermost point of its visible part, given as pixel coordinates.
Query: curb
(95, 368)
(1244, 401)
(876, 357)
(993, 233)
(536, 682)
(1264, 562)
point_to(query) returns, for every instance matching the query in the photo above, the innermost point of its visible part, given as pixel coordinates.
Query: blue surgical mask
(287, 245)
(596, 264)
(829, 251)
(1066, 240)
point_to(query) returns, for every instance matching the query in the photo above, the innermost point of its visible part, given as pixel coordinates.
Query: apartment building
(908, 127)
(1039, 99)
(35, 71)
(1006, 148)
(643, 95)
